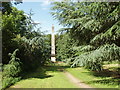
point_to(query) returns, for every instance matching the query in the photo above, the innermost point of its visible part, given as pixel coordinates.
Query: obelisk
(53, 59)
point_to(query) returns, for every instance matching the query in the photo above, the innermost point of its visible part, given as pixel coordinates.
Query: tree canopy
(24, 48)
(96, 28)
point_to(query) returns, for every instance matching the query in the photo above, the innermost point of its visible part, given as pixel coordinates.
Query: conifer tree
(96, 26)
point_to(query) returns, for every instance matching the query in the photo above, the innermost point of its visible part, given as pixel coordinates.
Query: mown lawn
(104, 79)
(53, 78)
(0, 76)
(0, 80)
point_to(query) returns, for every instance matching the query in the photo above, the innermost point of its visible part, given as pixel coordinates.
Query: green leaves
(112, 35)
(11, 71)
(86, 19)
(95, 26)
(34, 51)
(19, 32)
(64, 44)
(93, 60)
(14, 21)
(12, 24)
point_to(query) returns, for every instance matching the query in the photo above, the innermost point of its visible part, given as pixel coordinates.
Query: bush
(7, 81)
(11, 71)
(32, 52)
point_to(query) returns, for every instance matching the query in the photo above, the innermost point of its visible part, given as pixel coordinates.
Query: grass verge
(104, 79)
(53, 78)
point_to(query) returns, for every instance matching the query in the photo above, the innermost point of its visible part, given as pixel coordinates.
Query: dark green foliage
(6, 7)
(93, 60)
(33, 52)
(111, 35)
(86, 20)
(11, 71)
(95, 26)
(64, 47)
(18, 31)
(13, 68)
(12, 24)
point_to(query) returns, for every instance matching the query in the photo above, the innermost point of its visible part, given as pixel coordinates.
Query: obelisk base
(53, 59)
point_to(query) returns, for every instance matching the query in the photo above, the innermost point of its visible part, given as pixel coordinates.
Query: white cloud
(45, 2)
(32, 0)
(37, 22)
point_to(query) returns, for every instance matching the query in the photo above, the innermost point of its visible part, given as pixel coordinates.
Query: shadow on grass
(41, 72)
(105, 73)
(38, 75)
(109, 77)
(110, 81)
(114, 73)
(56, 68)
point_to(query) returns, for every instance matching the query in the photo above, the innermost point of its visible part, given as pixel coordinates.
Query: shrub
(7, 81)
(11, 71)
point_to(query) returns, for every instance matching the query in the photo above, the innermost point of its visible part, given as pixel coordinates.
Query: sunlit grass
(55, 78)
(103, 79)
(52, 79)
(0, 76)
(0, 80)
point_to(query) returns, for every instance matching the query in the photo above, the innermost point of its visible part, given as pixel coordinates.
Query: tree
(64, 46)
(94, 24)
(12, 24)
(33, 52)
(19, 34)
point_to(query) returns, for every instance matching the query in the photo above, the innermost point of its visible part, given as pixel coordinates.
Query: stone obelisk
(53, 59)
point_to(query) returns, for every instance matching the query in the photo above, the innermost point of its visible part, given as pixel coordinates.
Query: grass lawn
(0, 80)
(0, 76)
(103, 79)
(55, 78)
(52, 79)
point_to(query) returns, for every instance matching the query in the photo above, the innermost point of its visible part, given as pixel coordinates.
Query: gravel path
(76, 81)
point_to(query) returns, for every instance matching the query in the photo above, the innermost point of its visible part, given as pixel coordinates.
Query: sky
(41, 15)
